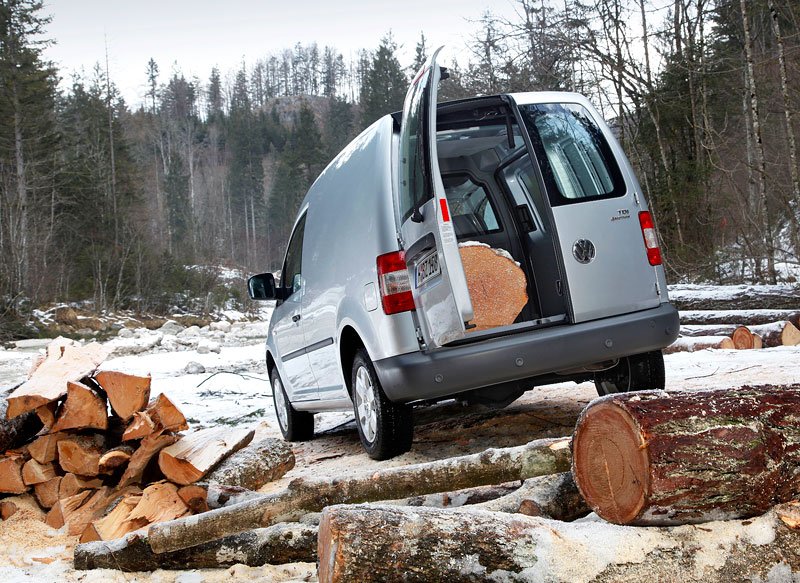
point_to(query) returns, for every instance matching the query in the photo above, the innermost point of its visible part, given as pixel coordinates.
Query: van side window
(470, 207)
(290, 275)
(577, 163)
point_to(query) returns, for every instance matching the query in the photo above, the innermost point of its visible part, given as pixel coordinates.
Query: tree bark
(738, 298)
(257, 464)
(694, 343)
(656, 458)
(192, 456)
(275, 545)
(738, 317)
(14, 432)
(777, 334)
(366, 543)
(493, 466)
(555, 496)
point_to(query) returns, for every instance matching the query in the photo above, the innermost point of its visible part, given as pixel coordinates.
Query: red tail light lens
(650, 238)
(394, 283)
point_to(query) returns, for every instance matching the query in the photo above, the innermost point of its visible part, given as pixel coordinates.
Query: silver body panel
(352, 219)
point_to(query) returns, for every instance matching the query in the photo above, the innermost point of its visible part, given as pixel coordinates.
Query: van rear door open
(436, 275)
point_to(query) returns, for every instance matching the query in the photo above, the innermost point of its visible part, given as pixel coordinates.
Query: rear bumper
(448, 371)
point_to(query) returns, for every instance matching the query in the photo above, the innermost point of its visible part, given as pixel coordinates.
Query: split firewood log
(149, 448)
(80, 454)
(44, 448)
(692, 344)
(127, 393)
(368, 544)
(493, 466)
(251, 467)
(493, 274)
(11, 481)
(115, 523)
(140, 425)
(65, 361)
(71, 484)
(15, 432)
(62, 509)
(159, 502)
(165, 415)
(35, 473)
(47, 414)
(114, 459)
(47, 492)
(82, 409)
(672, 458)
(8, 509)
(195, 454)
(742, 338)
(777, 334)
(275, 545)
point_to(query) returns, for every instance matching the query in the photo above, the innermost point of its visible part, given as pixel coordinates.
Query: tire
(385, 428)
(640, 372)
(295, 425)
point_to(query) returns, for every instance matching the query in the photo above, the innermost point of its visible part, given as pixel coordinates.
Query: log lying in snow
(276, 545)
(739, 297)
(195, 454)
(691, 344)
(742, 338)
(65, 361)
(493, 466)
(777, 334)
(555, 496)
(739, 317)
(253, 466)
(127, 393)
(674, 458)
(366, 543)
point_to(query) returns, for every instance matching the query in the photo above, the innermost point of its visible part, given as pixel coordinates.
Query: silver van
(373, 309)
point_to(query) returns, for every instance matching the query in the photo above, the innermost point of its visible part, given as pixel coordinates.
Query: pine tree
(385, 85)
(420, 55)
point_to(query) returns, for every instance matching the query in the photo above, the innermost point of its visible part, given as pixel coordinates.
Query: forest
(108, 203)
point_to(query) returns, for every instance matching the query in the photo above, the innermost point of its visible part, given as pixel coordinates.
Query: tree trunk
(777, 334)
(257, 464)
(191, 457)
(555, 496)
(493, 466)
(676, 458)
(367, 544)
(708, 330)
(693, 343)
(742, 297)
(276, 545)
(738, 317)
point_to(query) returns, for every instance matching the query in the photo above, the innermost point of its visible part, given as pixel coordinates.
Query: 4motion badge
(583, 250)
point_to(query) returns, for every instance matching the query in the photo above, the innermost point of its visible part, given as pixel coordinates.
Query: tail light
(650, 238)
(394, 283)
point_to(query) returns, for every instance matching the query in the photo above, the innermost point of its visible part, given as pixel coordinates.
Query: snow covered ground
(217, 375)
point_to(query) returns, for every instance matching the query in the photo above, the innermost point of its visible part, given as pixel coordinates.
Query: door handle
(296, 318)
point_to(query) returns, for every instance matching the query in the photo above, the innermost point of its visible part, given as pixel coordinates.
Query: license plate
(428, 268)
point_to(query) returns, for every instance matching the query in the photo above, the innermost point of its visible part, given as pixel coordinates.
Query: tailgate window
(577, 163)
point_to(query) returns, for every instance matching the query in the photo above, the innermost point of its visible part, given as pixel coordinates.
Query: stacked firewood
(698, 333)
(106, 459)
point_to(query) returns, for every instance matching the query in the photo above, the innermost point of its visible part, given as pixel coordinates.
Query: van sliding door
(436, 274)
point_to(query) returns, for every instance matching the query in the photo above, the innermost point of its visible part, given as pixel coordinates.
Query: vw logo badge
(583, 250)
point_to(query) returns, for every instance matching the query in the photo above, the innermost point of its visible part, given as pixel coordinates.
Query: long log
(555, 496)
(739, 317)
(493, 466)
(673, 458)
(367, 544)
(14, 432)
(694, 330)
(782, 333)
(275, 545)
(257, 464)
(692, 344)
(66, 360)
(734, 297)
(191, 458)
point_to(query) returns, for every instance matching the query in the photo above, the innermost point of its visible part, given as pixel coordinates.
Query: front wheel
(639, 372)
(295, 425)
(385, 428)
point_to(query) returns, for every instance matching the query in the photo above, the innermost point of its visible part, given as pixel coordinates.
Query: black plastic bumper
(448, 371)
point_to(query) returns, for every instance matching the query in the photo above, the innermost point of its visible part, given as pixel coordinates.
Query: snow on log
(708, 330)
(739, 317)
(127, 393)
(367, 544)
(82, 409)
(493, 466)
(16, 431)
(195, 454)
(694, 343)
(149, 447)
(673, 458)
(782, 333)
(253, 466)
(492, 274)
(555, 496)
(65, 361)
(275, 545)
(734, 297)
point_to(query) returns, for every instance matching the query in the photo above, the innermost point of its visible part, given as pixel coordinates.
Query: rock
(202, 349)
(125, 333)
(221, 326)
(171, 328)
(194, 368)
(190, 332)
(206, 346)
(65, 315)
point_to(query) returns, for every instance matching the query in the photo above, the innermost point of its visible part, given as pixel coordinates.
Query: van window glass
(470, 207)
(290, 275)
(415, 188)
(575, 158)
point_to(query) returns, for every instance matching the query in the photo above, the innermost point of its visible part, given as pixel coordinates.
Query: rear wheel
(295, 425)
(385, 428)
(640, 372)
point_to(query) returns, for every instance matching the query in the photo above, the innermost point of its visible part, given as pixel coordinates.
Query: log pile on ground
(106, 459)
(711, 333)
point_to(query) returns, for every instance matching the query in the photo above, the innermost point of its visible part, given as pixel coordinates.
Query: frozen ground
(233, 389)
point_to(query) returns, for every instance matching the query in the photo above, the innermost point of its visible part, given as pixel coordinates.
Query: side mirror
(262, 287)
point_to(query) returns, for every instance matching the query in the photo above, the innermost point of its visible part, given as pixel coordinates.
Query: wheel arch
(349, 343)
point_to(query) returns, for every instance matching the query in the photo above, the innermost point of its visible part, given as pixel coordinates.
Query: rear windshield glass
(576, 161)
